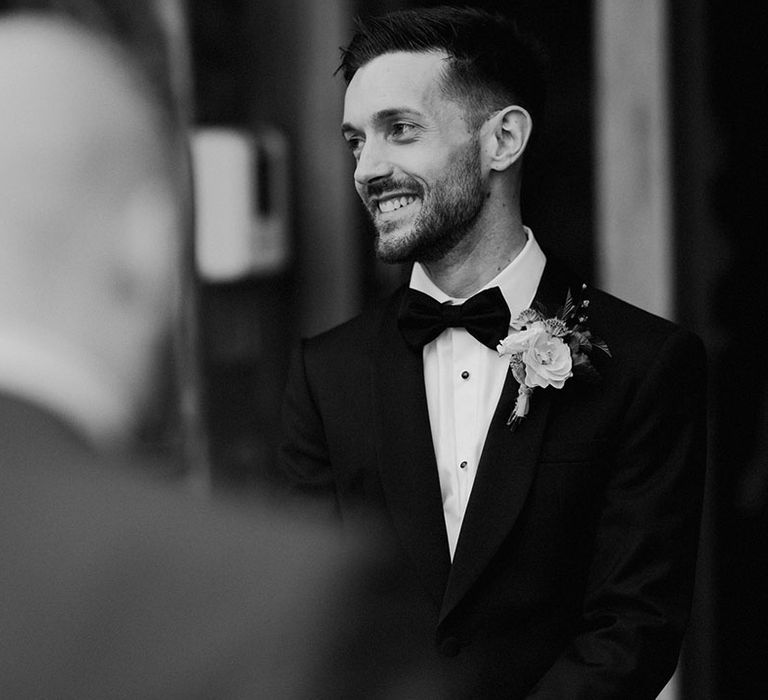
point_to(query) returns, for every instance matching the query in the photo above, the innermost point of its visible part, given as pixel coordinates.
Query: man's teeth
(388, 205)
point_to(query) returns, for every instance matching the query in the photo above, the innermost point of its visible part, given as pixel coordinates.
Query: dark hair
(491, 63)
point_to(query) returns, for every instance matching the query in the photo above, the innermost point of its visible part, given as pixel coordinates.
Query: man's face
(418, 167)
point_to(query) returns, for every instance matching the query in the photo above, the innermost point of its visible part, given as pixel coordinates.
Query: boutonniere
(547, 351)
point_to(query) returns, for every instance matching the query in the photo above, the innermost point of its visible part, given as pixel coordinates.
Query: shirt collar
(518, 281)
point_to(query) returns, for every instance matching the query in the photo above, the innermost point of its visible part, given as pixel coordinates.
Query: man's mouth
(391, 204)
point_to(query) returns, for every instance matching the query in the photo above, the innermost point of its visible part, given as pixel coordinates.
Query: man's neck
(478, 258)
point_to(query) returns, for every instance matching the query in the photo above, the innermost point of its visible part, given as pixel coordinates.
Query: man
(545, 489)
(111, 585)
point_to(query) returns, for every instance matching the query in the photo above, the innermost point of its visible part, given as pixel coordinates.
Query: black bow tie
(485, 316)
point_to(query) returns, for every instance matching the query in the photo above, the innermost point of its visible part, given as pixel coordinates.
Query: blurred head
(89, 229)
(437, 114)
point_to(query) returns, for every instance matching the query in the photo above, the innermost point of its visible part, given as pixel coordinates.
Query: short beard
(448, 213)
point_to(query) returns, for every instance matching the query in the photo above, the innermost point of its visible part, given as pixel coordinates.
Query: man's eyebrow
(383, 116)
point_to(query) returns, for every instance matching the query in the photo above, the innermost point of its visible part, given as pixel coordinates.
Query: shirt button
(450, 646)
(463, 465)
(465, 374)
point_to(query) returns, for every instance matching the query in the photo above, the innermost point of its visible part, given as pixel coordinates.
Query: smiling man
(426, 198)
(533, 447)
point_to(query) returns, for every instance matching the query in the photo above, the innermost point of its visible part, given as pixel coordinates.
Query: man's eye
(402, 129)
(354, 145)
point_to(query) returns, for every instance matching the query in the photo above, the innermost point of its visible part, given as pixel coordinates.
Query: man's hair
(491, 63)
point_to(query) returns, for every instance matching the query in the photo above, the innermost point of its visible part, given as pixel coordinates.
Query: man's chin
(393, 256)
(394, 248)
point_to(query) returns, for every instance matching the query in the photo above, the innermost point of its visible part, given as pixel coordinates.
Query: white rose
(521, 341)
(547, 362)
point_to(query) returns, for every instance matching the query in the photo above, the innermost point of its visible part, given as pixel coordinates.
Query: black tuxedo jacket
(573, 571)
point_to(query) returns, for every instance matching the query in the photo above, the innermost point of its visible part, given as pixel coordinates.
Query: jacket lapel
(507, 467)
(406, 457)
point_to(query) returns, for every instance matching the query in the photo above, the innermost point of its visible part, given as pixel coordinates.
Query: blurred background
(647, 176)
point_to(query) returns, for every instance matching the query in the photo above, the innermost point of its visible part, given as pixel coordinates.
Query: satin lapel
(506, 470)
(406, 455)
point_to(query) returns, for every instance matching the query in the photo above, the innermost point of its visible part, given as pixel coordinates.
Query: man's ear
(508, 134)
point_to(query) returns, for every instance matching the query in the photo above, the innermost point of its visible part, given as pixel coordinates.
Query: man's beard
(448, 212)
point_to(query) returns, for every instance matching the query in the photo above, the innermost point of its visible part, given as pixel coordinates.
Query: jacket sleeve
(305, 465)
(639, 588)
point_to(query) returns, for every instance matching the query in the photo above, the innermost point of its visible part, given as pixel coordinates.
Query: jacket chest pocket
(570, 476)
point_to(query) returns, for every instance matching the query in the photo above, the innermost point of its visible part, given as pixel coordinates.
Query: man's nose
(372, 164)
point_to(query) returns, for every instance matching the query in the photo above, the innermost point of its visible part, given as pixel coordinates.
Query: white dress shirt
(464, 379)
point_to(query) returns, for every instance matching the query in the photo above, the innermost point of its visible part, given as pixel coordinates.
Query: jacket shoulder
(357, 333)
(635, 336)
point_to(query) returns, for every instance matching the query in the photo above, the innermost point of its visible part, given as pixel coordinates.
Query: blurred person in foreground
(536, 446)
(110, 585)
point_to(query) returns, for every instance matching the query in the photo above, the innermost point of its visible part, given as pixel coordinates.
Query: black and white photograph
(383, 349)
